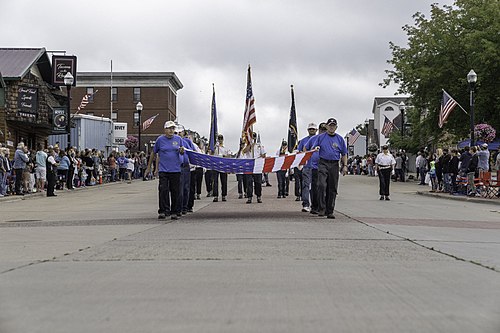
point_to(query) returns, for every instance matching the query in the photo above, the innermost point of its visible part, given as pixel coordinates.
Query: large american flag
(249, 117)
(246, 165)
(148, 122)
(447, 105)
(388, 127)
(353, 136)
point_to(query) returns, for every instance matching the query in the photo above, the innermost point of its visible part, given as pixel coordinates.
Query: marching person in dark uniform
(385, 164)
(240, 177)
(332, 148)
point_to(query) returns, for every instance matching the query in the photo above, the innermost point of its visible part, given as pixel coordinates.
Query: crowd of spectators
(28, 170)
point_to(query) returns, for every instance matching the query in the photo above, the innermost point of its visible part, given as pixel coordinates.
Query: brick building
(117, 98)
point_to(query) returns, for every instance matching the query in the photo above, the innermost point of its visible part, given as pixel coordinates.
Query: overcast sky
(334, 52)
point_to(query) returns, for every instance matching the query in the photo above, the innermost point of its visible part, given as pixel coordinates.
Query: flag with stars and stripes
(353, 136)
(85, 100)
(249, 166)
(249, 118)
(388, 127)
(148, 122)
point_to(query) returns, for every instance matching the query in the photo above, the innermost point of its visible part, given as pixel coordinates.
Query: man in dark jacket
(445, 164)
(472, 172)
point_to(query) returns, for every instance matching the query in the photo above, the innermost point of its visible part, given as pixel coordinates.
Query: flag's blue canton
(221, 164)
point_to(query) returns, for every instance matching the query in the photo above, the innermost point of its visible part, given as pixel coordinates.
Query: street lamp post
(402, 109)
(139, 107)
(472, 78)
(68, 82)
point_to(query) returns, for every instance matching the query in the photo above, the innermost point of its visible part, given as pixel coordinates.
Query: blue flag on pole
(213, 124)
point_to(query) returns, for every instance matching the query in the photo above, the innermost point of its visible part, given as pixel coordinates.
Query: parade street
(99, 260)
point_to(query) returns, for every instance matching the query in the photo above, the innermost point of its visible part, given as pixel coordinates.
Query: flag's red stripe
(288, 162)
(306, 157)
(268, 164)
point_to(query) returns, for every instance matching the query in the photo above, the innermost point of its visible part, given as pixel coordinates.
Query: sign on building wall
(120, 131)
(60, 66)
(27, 102)
(60, 120)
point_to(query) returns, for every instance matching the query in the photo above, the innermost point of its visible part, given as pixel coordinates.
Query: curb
(460, 198)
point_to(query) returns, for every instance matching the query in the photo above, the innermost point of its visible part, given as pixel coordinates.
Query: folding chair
(494, 187)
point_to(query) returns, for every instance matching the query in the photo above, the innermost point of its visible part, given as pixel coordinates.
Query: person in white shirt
(221, 151)
(281, 174)
(254, 150)
(385, 164)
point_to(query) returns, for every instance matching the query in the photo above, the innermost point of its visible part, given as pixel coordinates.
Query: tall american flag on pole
(213, 123)
(447, 105)
(388, 127)
(249, 118)
(248, 165)
(148, 122)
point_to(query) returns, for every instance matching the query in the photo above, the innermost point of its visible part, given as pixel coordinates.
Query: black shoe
(174, 217)
(259, 200)
(178, 214)
(330, 216)
(279, 196)
(184, 212)
(198, 197)
(161, 216)
(224, 199)
(190, 210)
(240, 196)
(51, 195)
(268, 185)
(314, 212)
(297, 199)
(381, 197)
(387, 198)
(216, 199)
(209, 194)
(249, 200)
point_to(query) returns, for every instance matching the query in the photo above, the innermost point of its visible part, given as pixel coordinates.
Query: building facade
(115, 96)
(27, 98)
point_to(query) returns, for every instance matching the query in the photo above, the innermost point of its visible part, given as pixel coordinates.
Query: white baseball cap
(312, 125)
(169, 124)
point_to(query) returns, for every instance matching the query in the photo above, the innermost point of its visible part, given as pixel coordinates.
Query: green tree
(440, 52)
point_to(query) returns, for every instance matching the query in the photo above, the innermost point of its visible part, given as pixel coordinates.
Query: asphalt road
(98, 260)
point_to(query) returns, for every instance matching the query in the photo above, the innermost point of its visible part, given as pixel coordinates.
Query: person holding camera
(254, 150)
